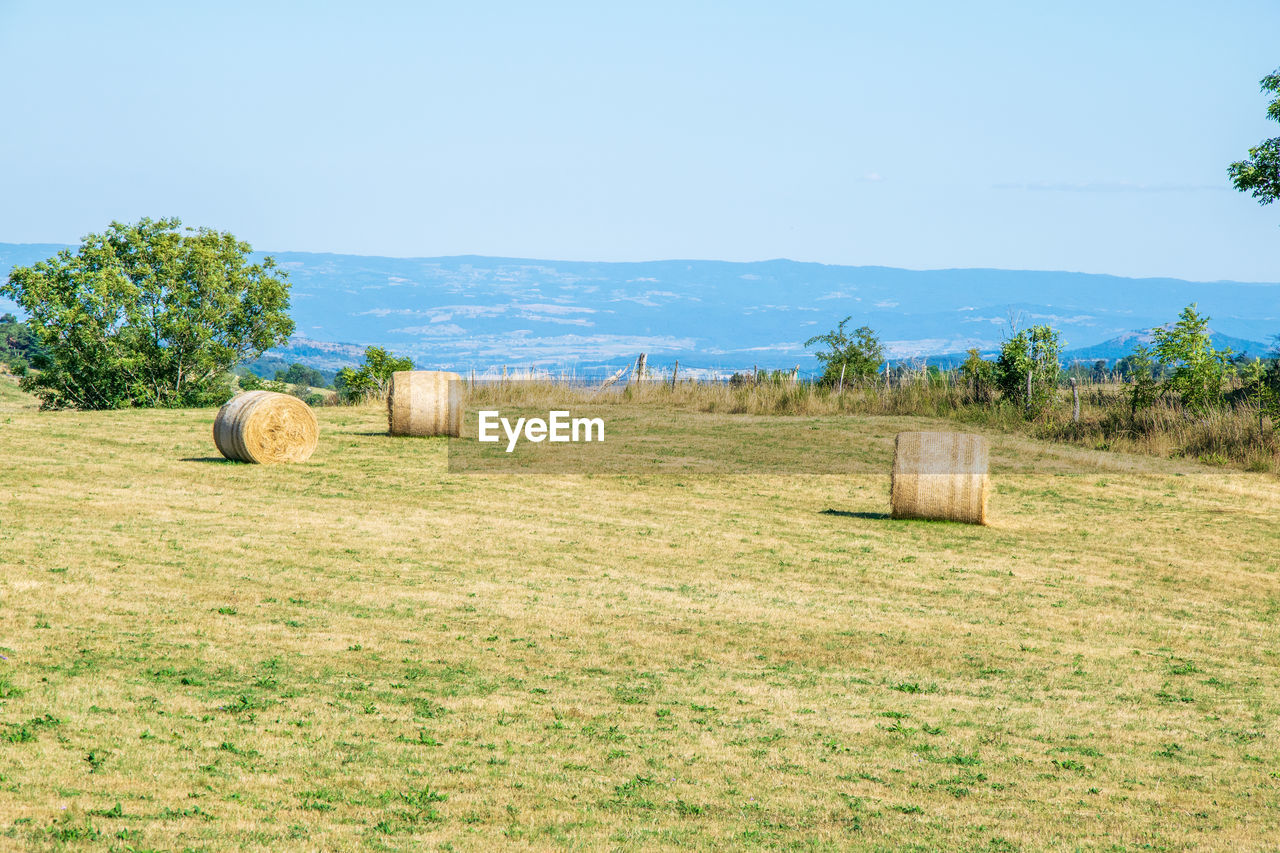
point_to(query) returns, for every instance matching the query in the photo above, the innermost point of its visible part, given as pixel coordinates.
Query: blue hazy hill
(481, 312)
(1122, 345)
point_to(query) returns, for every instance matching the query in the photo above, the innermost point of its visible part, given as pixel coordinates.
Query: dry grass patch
(367, 652)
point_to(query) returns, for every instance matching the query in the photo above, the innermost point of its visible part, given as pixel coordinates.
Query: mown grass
(367, 652)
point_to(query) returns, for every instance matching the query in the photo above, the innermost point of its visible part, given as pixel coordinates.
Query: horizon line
(517, 258)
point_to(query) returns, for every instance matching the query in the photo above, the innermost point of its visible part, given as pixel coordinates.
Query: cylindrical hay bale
(940, 475)
(266, 427)
(424, 402)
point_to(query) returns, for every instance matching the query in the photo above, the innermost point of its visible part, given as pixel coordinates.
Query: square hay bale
(940, 475)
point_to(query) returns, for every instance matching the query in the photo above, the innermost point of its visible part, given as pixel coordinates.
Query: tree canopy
(1260, 173)
(148, 314)
(18, 345)
(301, 374)
(855, 356)
(371, 378)
(1028, 368)
(1196, 371)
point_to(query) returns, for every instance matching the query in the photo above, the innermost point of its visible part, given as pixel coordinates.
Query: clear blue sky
(1087, 136)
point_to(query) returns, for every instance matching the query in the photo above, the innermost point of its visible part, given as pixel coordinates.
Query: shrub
(1257, 389)
(1144, 389)
(1197, 372)
(1028, 368)
(370, 379)
(300, 374)
(856, 357)
(979, 376)
(253, 382)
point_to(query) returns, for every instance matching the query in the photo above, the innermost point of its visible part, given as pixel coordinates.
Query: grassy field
(367, 652)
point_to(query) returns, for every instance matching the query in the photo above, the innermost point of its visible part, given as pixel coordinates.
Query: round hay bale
(424, 402)
(940, 475)
(266, 427)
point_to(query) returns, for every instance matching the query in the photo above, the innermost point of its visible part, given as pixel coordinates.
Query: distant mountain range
(1122, 345)
(470, 312)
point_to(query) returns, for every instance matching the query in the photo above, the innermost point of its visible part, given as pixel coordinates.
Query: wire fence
(893, 373)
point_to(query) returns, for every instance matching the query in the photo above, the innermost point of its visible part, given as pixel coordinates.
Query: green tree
(148, 315)
(979, 376)
(1196, 372)
(254, 382)
(1127, 365)
(371, 378)
(859, 356)
(1260, 174)
(300, 374)
(1030, 362)
(1259, 390)
(1144, 387)
(18, 344)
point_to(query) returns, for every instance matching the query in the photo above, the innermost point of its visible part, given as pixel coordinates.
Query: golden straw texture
(266, 427)
(424, 402)
(940, 475)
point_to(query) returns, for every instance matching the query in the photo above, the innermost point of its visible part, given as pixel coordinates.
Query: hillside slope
(478, 312)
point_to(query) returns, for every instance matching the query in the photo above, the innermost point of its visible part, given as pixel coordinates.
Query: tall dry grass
(1231, 435)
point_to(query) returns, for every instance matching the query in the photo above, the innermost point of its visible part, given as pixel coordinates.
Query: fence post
(675, 371)
(1075, 401)
(840, 387)
(640, 363)
(795, 374)
(1028, 390)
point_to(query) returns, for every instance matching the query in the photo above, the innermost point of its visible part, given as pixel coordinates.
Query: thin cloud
(562, 321)
(444, 330)
(544, 308)
(921, 347)
(523, 345)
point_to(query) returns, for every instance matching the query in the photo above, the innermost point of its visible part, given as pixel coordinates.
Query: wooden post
(675, 371)
(795, 374)
(1075, 401)
(840, 387)
(755, 374)
(1028, 390)
(640, 363)
(614, 378)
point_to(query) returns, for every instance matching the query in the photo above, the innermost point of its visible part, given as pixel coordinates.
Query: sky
(1090, 136)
